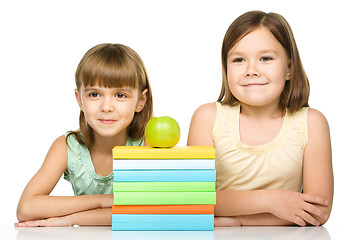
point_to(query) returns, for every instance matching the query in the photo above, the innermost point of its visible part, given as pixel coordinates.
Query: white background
(180, 43)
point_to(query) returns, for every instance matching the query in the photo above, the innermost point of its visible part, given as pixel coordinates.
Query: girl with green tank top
(115, 100)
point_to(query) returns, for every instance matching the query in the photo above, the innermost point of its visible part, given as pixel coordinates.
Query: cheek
(279, 78)
(127, 110)
(232, 77)
(281, 70)
(89, 109)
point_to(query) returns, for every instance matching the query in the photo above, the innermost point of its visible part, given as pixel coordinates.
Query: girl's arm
(95, 217)
(259, 207)
(35, 202)
(318, 177)
(270, 207)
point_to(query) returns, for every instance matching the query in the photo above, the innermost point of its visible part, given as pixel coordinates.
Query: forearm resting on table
(272, 207)
(237, 203)
(43, 206)
(242, 206)
(95, 217)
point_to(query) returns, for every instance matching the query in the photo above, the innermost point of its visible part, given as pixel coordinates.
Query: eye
(266, 59)
(238, 60)
(120, 95)
(94, 95)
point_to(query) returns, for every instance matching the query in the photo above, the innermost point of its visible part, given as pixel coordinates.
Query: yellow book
(179, 152)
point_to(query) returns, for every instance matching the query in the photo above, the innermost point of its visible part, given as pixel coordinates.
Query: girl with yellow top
(273, 152)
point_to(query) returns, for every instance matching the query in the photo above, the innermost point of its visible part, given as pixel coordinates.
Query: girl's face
(257, 69)
(109, 111)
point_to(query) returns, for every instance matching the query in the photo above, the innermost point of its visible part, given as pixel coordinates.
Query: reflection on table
(277, 233)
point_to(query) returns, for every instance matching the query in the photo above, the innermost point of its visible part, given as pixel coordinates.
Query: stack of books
(164, 188)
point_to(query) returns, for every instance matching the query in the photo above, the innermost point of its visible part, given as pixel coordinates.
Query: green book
(164, 198)
(164, 186)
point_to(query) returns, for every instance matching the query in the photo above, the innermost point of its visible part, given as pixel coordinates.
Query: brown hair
(296, 91)
(113, 65)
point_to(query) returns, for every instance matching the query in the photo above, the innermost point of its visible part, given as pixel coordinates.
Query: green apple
(162, 132)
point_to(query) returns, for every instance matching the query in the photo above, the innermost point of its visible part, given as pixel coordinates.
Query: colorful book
(168, 175)
(163, 164)
(164, 198)
(163, 186)
(179, 152)
(163, 209)
(163, 222)
(171, 235)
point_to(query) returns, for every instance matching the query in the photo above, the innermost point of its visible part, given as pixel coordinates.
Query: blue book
(165, 235)
(175, 175)
(163, 222)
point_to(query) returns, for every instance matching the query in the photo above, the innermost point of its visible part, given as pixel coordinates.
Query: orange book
(163, 209)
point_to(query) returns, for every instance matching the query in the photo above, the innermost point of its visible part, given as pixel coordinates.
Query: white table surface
(99, 233)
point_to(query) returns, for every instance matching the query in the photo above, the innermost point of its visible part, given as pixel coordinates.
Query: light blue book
(174, 175)
(163, 222)
(165, 235)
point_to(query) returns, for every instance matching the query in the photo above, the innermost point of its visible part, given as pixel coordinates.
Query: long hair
(113, 65)
(296, 91)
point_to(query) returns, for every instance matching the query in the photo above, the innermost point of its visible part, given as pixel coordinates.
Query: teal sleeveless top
(81, 173)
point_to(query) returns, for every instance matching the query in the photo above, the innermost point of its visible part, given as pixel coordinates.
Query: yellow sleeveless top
(277, 164)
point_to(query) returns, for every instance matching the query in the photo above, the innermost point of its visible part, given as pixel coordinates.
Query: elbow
(23, 212)
(324, 221)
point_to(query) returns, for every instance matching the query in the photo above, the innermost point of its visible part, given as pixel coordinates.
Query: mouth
(107, 121)
(254, 84)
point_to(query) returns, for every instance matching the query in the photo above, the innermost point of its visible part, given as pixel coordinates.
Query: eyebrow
(260, 52)
(89, 89)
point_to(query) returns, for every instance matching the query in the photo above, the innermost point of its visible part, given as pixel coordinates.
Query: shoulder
(318, 128)
(55, 162)
(207, 110)
(202, 122)
(58, 150)
(316, 120)
(205, 115)
(60, 143)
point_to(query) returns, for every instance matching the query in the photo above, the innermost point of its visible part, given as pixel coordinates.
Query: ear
(288, 74)
(142, 99)
(78, 98)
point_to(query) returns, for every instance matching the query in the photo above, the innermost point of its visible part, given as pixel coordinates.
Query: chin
(106, 133)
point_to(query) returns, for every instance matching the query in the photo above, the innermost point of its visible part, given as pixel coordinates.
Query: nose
(107, 105)
(251, 69)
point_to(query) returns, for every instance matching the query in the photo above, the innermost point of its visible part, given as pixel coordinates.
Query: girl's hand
(297, 207)
(226, 222)
(50, 222)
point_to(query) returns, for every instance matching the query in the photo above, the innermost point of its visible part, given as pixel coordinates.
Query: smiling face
(257, 69)
(109, 111)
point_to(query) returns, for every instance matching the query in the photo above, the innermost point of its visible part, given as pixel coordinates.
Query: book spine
(163, 209)
(144, 152)
(176, 175)
(163, 164)
(163, 186)
(164, 235)
(164, 198)
(165, 222)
